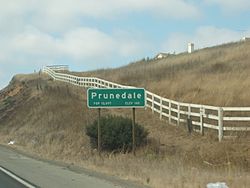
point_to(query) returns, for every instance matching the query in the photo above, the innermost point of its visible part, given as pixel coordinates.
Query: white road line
(17, 178)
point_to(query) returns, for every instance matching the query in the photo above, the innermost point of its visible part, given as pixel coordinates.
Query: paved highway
(8, 182)
(49, 174)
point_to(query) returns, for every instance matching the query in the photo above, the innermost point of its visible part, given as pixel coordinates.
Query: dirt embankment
(48, 118)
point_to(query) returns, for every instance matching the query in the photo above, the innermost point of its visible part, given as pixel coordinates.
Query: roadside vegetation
(116, 134)
(49, 119)
(217, 76)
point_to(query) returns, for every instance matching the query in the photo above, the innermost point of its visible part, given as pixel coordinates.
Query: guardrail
(221, 119)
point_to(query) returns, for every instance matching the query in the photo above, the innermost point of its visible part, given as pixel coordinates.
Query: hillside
(217, 76)
(48, 118)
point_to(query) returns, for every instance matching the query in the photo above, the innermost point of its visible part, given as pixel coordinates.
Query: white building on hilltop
(161, 55)
(245, 39)
(190, 47)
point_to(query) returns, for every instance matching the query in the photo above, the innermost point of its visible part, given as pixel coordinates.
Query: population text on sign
(116, 98)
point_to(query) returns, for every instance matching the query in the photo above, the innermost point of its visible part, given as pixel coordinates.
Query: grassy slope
(215, 76)
(48, 118)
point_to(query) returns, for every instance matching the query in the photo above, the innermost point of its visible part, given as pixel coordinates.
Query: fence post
(153, 102)
(220, 123)
(169, 111)
(178, 115)
(189, 125)
(161, 108)
(202, 111)
(189, 120)
(146, 105)
(97, 83)
(189, 111)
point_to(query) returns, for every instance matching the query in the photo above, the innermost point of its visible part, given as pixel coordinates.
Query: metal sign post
(133, 131)
(116, 98)
(99, 131)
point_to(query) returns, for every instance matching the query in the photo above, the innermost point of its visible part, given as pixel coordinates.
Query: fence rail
(202, 116)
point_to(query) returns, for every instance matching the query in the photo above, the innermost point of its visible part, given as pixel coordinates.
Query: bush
(116, 133)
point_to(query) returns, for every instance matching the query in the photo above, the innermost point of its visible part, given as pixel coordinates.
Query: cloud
(203, 36)
(86, 42)
(57, 15)
(33, 42)
(82, 44)
(97, 8)
(85, 47)
(231, 5)
(4, 78)
(40, 31)
(35, 33)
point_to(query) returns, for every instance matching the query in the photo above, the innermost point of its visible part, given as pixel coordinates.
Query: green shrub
(116, 133)
(9, 101)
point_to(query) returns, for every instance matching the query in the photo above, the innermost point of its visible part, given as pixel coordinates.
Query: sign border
(145, 98)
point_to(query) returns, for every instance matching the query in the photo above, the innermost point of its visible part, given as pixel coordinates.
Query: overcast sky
(91, 34)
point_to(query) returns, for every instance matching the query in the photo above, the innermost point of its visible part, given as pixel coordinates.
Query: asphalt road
(8, 182)
(49, 174)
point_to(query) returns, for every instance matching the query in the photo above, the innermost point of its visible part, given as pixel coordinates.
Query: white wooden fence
(220, 119)
(59, 67)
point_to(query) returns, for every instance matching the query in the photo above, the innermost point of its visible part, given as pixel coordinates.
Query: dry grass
(168, 171)
(48, 118)
(216, 76)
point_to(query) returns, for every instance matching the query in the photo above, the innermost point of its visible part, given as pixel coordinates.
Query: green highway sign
(116, 98)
